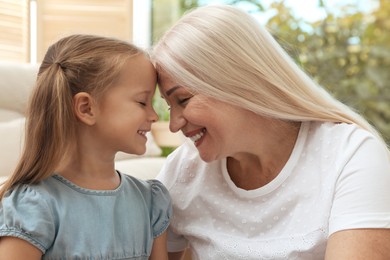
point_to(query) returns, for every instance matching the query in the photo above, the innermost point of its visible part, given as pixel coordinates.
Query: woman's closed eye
(184, 101)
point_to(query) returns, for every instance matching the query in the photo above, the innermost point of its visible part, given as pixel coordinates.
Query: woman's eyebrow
(171, 90)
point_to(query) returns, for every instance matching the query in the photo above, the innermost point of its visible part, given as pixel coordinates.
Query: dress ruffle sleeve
(161, 210)
(25, 214)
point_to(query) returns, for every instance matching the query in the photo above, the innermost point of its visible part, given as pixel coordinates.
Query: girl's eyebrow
(171, 90)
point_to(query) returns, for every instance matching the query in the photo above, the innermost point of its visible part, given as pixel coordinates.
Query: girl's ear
(85, 108)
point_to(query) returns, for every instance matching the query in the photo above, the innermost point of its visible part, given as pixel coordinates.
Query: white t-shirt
(337, 177)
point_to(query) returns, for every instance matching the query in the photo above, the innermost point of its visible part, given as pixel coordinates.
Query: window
(28, 27)
(14, 32)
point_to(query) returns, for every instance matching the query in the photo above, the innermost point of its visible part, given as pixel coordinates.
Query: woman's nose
(176, 121)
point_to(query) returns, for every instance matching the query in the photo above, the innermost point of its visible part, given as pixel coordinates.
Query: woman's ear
(85, 108)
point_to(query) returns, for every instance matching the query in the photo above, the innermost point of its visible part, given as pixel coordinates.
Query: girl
(65, 200)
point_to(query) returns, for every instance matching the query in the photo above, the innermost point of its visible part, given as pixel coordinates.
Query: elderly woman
(277, 168)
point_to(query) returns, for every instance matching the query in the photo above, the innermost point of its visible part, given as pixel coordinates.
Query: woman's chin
(207, 157)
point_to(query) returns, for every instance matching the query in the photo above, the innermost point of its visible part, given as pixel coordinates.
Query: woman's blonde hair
(77, 63)
(223, 52)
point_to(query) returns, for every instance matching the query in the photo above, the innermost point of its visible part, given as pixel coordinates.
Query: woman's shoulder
(337, 129)
(342, 134)
(345, 140)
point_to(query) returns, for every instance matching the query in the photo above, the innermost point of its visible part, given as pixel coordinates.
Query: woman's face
(215, 127)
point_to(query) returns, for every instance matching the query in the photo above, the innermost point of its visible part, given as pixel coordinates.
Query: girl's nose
(153, 116)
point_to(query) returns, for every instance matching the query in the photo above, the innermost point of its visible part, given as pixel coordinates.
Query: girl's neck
(90, 173)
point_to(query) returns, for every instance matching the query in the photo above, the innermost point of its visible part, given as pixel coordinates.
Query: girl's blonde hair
(77, 63)
(223, 52)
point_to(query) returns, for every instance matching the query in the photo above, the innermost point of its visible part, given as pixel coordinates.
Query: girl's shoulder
(28, 194)
(145, 186)
(158, 201)
(25, 211)
(151, 190)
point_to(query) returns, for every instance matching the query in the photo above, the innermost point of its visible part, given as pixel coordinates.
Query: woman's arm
(356, 244)
(18, 249)
(159, 249)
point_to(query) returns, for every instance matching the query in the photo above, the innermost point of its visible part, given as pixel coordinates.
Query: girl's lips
(141, 132)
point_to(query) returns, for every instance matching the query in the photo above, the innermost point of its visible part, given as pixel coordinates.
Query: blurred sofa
(17, 80)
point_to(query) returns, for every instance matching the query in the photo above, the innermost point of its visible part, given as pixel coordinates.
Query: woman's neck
(258, 166)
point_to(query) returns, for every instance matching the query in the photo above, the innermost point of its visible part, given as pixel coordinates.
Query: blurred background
(344, 45)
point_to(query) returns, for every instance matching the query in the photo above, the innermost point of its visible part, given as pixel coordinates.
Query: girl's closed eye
(142, 103)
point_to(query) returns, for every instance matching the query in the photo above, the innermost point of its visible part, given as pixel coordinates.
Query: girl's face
(215, 127)
(126, 112)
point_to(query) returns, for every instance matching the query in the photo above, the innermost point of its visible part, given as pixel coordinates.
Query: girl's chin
(137, 151)
(140, 151)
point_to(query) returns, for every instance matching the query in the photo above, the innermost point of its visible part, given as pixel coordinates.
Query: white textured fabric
(338, 177)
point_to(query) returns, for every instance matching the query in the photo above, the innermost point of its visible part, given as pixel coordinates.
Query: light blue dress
(66, 221)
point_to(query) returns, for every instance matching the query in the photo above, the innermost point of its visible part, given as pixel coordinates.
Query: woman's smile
(197, 138)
